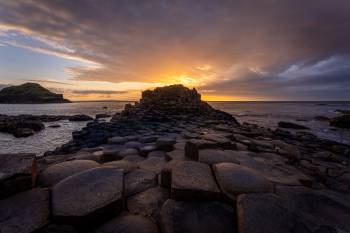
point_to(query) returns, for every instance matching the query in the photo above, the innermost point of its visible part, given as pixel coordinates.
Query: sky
(227, 49)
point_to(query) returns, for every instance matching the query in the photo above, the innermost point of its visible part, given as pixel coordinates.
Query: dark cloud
(47, 81)
(249, 44)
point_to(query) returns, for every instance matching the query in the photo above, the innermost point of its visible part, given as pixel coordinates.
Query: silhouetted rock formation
(169, 102)
(30, 93)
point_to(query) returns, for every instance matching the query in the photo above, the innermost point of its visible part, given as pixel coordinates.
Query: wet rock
(102, 115)
(148, 139)
(343, 111)
(341, 121)
(290, 125)
(138, 181)
(18, 172)
(153, 164)
(87, 195)
(133, 144)
(80, 118)
(54, 126)
(148, 203)
(193, 217)
(128, 224)
(193, 181)
(194, 145)
(234, 179)
(25, 212)
(127, 166)
(321, 118)
(211, 156)
(57, 172)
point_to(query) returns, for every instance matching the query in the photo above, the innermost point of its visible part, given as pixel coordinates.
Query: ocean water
(266, 114)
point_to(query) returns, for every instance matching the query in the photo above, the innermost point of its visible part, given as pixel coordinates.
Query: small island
(30, 93)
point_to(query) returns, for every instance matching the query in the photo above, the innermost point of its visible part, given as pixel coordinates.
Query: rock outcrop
(29, 93)
(195, 171)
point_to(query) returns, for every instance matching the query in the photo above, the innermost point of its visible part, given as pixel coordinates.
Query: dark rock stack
(169, 103)
(163, 107)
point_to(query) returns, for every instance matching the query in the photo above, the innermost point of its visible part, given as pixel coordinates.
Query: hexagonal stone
(96, 156)
(157, 153)
(166, 144)
(128, 224)
(146, 150)
(153, 164)
(129, 151)
(133, 144)
(194, 145)
(18, 172)
(220, 140)
(134, 158)
(166, 173)
(86, 195)
(176, 154)
(268, 213)
(125, 165)
(117, 140)
(25, 212)
(193, 181)
(138, 181)
(57, 172)
(234, 179)
(327, 207)
(149, 202)
(212, 156)
(194, 217)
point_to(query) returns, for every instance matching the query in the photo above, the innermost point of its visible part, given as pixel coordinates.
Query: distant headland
(30, 93)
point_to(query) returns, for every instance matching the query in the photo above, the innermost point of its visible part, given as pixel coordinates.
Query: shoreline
(171, 163)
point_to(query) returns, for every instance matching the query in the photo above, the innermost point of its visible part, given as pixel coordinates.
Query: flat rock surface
(149, 202)
(127, 166)
(236, 179)
(138, 181)
(57, 172)
(16, 164)
(330, 208)
(269, 213)
(25, 212)
(86, 192)
(212, 156)
(194, 217)
(191, 180)
(128, 224)
(153, 164)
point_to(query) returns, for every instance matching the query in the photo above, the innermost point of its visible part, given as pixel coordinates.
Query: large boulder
(193, 181)
(128, 224)
(88, 194)
(18, 172)
(194, 217)
(25, 212)
(234, 179)
(57, 172)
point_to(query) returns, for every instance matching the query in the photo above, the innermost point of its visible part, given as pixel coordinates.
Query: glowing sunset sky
(229, 50)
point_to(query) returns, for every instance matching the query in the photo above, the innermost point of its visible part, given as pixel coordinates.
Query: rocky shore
(172, 164)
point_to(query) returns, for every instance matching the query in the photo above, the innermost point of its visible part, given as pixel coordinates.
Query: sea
(266, 114)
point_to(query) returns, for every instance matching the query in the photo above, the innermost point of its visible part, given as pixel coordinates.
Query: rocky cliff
(29, 93)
